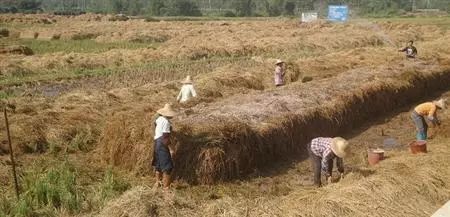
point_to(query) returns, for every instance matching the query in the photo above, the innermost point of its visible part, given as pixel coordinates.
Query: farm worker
(162, 153)
(187, 90)
(279, 73)
(410, 50)
(426, 110)
(323, 151)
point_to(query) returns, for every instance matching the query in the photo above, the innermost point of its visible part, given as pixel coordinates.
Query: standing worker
(187, 90)
(322, 152)
(162, 153)
(427, 110)
(279, 73)
(410, 50)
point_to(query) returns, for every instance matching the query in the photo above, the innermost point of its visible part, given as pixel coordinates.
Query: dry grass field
(82, 91)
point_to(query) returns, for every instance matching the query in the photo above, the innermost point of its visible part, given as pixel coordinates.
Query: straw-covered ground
(83, 91)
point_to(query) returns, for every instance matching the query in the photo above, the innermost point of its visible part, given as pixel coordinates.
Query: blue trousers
(421, 125)
(162, 160)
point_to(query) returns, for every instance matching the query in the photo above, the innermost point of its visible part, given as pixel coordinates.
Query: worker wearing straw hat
(323, 151)
(410, 50)
(426, 110)
(279, 73)
(187, 90)
(162, 154)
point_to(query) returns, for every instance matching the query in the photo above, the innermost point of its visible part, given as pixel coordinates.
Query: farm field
(81, 93)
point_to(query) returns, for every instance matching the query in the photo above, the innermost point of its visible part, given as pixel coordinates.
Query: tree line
(227, 8)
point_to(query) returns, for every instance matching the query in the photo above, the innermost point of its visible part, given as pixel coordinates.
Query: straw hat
(188, 80)
(339, 147)
(279, 62)
(167, 111)
(442, 103)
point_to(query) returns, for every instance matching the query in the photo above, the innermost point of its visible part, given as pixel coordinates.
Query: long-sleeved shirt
(427, 109)
(279, 75)
(187, 91)
(321, 147)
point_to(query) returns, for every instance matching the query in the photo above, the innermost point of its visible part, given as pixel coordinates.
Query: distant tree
(243, 7)
(181, 8)
(118, 6)
(289, 7)
(155, 7)
(29, 5)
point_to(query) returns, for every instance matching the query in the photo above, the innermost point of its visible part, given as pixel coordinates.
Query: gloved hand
(329, 181)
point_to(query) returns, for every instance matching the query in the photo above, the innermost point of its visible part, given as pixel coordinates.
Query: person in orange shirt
(426, 110)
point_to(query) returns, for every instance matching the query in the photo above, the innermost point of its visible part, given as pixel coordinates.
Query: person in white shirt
(187, 90)
(162, 153)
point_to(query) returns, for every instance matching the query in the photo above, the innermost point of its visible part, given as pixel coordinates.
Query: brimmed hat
(167, 111)
(279, 62)
(442, 103)
(188, 80)
(339, 146)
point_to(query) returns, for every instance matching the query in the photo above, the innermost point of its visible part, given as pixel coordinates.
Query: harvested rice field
(81, 94)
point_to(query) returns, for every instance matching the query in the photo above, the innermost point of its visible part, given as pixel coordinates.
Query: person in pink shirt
(279, 73)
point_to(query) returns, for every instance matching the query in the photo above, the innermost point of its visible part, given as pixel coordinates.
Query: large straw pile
(226, 140)
(403, 185)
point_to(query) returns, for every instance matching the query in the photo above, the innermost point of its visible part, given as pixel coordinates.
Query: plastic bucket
(419, 146)
(374, 156)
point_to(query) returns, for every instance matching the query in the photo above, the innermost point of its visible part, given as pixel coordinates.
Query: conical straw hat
(278, 62)
(167, 111)
(339, 147)
(442, 103)
(188, 80)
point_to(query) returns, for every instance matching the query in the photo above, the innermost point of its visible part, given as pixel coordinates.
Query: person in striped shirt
(323, 151)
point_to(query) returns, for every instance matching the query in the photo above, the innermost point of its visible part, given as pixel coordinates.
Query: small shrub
(4, 32)
(149, 39)
(56, 37)
(36, 35)
(151, 19)
(229, 14)
(83, 36)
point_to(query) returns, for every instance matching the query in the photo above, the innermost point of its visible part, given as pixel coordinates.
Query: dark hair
(411, 41)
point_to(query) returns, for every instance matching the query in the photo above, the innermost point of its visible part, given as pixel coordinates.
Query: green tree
(243, 7)
(29, 5)
(155, 7)
(289, 8)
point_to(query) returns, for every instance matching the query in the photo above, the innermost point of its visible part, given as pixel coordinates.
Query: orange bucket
(375, 155)
(419, 146)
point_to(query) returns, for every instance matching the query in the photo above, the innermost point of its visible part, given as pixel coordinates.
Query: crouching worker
(323, 152)
(162, 154)
(426, 110)
(410, 50)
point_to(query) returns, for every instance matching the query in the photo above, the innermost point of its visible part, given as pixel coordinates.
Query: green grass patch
(45, 192)
(75, 46)
(443, 22)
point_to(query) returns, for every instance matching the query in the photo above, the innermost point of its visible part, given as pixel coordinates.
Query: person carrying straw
(323, 151)
(162, 153)
(426, 110)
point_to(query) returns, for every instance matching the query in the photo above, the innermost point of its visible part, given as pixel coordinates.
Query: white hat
(442, 103)
(167, 111)
(188, 80)
(339, 146)
(279, 62)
